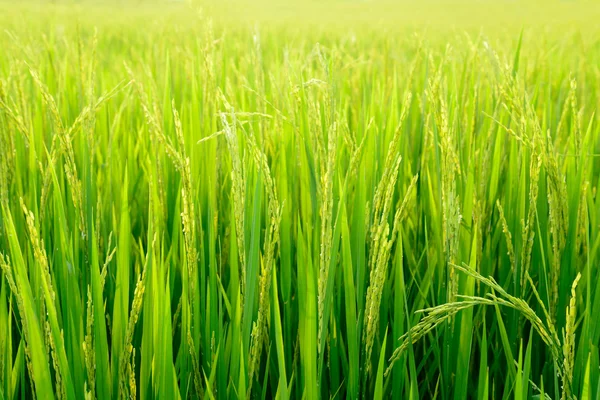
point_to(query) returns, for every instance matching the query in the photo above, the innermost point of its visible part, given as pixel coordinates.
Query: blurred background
(464, 14)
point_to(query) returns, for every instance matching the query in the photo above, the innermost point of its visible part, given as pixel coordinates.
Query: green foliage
(194, 206)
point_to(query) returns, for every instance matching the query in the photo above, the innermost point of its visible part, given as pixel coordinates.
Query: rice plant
(299, 201)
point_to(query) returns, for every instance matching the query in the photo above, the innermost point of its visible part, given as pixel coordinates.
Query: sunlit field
(306, 200)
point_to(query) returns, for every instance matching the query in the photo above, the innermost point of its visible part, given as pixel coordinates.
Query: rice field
(339, 200)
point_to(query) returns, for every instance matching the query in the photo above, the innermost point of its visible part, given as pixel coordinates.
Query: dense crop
(322, 209)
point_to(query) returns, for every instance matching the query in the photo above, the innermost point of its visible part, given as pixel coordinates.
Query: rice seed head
(14, 288)
(238, 189)
(326, 212)
(39, 251)
(378, 276)
(259, 335)
(195, 365)
(528, 233)
(568, 348)
(508, 236)
(127, 387)
(88, 347)
(48, 100)
(188, 217)
(60, 387)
